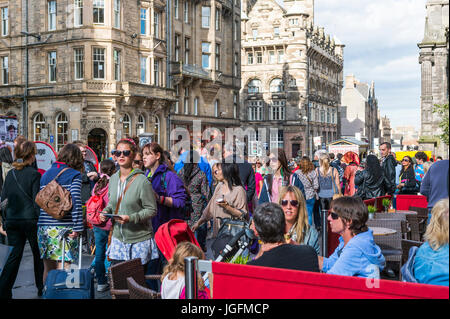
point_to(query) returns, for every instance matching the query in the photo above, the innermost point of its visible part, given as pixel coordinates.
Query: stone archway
(98, 141)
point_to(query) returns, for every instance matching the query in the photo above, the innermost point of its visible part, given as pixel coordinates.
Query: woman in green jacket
(132, 233)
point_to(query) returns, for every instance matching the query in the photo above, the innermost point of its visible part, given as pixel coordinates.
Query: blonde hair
(301, 223)
(426, 167)
(437, 231)
(324, 162)
(176, 263)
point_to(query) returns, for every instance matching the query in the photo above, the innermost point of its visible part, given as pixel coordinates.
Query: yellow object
(399, 155)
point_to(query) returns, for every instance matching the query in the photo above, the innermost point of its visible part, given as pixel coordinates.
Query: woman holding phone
(229, 198)
(132, 202)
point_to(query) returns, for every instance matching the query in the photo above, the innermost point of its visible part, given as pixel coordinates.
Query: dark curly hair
(352, 209)
(72, 156)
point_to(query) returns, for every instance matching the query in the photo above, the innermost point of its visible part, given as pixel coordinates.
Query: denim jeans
(310, 208)
(200, 235)
(101, 241)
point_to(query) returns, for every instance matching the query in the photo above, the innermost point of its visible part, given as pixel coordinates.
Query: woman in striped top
(50, 230)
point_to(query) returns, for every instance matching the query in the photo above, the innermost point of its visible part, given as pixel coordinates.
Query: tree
(442, 110)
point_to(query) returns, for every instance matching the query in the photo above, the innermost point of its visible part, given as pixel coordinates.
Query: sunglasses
(125, 153)
(405, 160)
(274, 159)
(137, 162)
(334, 215)
(294, 202)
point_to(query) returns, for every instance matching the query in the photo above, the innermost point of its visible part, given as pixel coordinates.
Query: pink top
(276, 186)
(258, 179)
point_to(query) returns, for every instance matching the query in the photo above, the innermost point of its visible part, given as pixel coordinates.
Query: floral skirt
(50, 244)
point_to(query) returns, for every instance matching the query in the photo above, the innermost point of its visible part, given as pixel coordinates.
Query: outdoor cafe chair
(406, 246)
(422, 216)
(140, 292)
(399, 216)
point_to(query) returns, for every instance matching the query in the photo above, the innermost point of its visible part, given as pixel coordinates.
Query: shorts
(50, 244)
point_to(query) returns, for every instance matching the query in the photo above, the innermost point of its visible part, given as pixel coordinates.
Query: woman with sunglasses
(357, 253)
(138, 163)
(371, 181)
(282, 176)
(298, 228)
(407, 178)
(132, 233)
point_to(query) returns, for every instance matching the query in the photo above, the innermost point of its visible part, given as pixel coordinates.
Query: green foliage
(371, 209)
(386, 202)
(239, 260)
(442, 111)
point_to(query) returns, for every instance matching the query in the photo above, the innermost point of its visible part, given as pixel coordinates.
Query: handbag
(336, 194)
(54, 199)
(229, 227)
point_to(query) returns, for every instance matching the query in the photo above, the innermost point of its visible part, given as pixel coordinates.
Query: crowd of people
(139, 189)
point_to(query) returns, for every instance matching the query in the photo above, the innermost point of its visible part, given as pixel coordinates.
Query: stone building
(434, 60)
(359, 111)
(289, 66)
(386, 130)
(101, 70)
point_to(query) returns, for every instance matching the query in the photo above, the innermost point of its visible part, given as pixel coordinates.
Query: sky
(380, 39)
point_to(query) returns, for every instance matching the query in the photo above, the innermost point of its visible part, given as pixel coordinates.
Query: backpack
(54, 199)
(94, 206)
(339, 169)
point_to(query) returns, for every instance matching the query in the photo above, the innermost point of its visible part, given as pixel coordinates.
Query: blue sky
(380, 40)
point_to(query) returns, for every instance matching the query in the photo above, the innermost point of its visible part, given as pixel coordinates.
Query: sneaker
(102, 288)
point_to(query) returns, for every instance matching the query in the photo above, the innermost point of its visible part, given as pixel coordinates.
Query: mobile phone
(220, 200)
(112, 216)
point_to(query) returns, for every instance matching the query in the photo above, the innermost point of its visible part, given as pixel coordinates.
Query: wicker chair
(399, 216)
(139, 292)
(119, 273)
(422, 216)
(406, 246)
(413, 225)
(391, 245)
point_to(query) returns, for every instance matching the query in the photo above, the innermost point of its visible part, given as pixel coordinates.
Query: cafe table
(381, 231)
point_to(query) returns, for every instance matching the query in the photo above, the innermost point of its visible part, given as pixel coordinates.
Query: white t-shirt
(171, 289)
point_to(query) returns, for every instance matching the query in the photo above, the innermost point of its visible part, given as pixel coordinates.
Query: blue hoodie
(203, 165)
(356, 258)
(431, 266)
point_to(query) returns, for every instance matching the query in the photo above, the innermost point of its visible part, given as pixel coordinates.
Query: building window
(38, 125)
(255, 111)
(126, 125)
(280, 56)
(236, 30)
(255, 33)
(62, 124)
(255, 145)
(186, 100)
(177, 48)
(79, 63)
(140, 125)
(52, 66)
(276, 139)
(196, 106)
(116, 65)
(99, 11)
(293, 21)
(276, 31)
(276, 85)
(259, 57)
(157, 72)
(236, 64)
(272, 58)
(175, 8)
(144, 21)
(277, 110)
(217, 57)
(5, 23)
(186, 50)
(177, 107)
(52, 15)
(254, 86)
(322, 116)
(216, 108)
(206, 14)
(144, 69)
(217, 20)
(186, 11)
(117, 14)
(5, 70)
(78, 12)
(250, 58)
(99, 63)
(292, 83)
(156, 128)
(205, 55)
(156, 23)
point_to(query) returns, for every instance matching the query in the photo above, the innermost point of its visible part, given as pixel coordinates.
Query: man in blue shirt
(421, 158)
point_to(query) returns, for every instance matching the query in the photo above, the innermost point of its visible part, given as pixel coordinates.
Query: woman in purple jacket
(170, 197)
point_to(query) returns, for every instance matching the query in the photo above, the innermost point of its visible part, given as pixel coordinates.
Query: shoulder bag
(54, 199)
